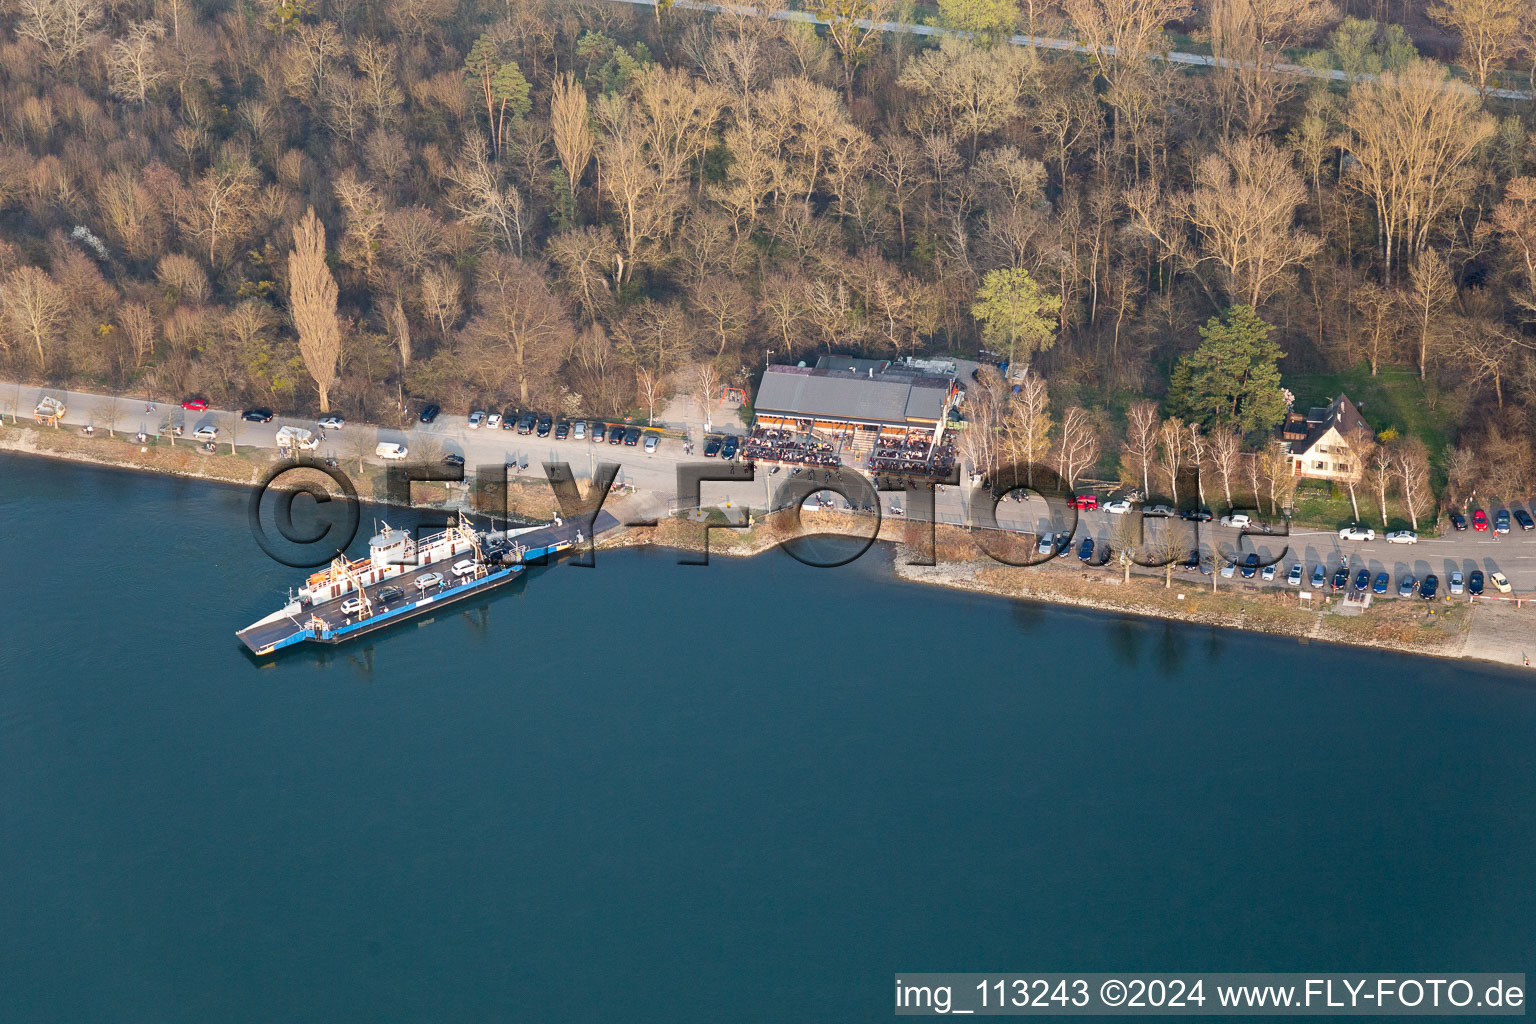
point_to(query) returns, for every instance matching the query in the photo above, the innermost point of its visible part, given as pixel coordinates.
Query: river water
(652, 792)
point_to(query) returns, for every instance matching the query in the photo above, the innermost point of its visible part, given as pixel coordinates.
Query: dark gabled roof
(1340, 413)
(888, 395)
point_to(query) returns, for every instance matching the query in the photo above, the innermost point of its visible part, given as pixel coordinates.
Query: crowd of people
(768, 444)
(912, 455)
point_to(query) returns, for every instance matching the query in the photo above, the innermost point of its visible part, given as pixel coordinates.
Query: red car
(195, 404)
(1480, 520)
(1085, 501)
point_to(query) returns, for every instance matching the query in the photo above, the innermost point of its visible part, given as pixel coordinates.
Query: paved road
(1041, 43)
(656, 476)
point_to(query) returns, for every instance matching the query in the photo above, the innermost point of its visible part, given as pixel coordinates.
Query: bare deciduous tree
(1140, 448)
(312, 302)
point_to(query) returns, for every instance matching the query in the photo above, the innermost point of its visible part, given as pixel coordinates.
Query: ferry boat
(402, 578)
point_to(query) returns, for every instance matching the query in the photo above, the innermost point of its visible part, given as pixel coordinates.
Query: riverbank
(1492, 632)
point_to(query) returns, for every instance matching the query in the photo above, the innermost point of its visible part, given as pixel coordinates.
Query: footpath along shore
(1494, 631)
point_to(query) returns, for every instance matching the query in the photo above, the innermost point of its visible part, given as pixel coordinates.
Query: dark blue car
(1250, 566)
(1362, 580)
(1429, 586)
(1475, 582)
(1085, 550)
(1380, 586)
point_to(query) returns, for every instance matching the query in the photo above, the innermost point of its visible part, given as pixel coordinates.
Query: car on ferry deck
(388, 594)
(427, 581)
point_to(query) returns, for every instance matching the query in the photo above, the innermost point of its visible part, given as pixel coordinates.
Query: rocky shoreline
(1457, 632)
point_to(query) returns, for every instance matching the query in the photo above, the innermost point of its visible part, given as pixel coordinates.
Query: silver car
(1457, 586)
(579, 430)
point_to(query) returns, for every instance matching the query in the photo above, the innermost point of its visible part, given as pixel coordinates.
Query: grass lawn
(1317, 506)
(1394, 398)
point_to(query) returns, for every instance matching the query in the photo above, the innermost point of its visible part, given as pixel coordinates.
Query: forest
(588, 207)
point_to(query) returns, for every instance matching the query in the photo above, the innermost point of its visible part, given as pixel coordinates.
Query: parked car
(652, 442)
(1157, 510)
(195, 404)
(1237, 521)
(1250, 565)
(1407, 585)
(1524, 519)
(1117, 507)
(1380, 586)
(257, 415)
(492, 420)
(597, 431)
(1085, 549)
(429, 414)
(1362, 580)
(1197, 515)
(1087, 502)
(1479, 520)
(562, 430)
(1046, 542)
(1319, 577)
(1294, 576)
(1500, 582)
(1457, 584)
(205, 433)
(476, 418)
(388, 594)
(1429, 586)
(545, 424)
(464, 567)
(509, 420)
(1402, 537)
(1228, 567)
(615, 434)
(331, 422)
(1268, 572)
(1459, 522)
(728, 448)
(351, 606)
(453, 459)
(391, 451)
(1357, 532)
(426, 581)
(525, 423)
(1475, 582)
(1340, 578)
(632, 437)
(579, 430)
(1501, 521)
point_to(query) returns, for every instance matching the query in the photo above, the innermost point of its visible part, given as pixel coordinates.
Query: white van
(392, 451)
(297, 438)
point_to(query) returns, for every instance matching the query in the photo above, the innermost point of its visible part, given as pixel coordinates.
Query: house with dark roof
(1319, 441)
(856, 400)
